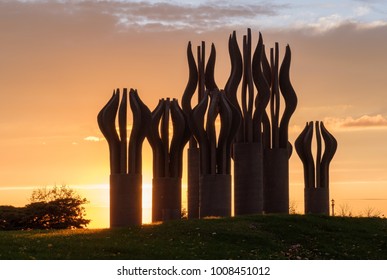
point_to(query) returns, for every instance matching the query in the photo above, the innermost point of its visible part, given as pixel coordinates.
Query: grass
(247, 237)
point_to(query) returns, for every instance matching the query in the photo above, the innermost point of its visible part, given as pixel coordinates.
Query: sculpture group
(252, 133)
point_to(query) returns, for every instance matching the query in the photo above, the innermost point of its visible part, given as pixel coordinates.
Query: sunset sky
(60, 61)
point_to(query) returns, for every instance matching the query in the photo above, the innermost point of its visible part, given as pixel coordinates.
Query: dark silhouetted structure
(256, 138)
(167, 159)
(195, 81)
(316, 177)
(276, 146)
(209, 166)
(215, 152)
(247, 147)
(125, 160)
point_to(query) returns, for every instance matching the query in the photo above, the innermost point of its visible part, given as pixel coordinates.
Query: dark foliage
(57, 208)
(12, 218)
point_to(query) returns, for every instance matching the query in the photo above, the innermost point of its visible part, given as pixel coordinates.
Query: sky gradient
(61, 60)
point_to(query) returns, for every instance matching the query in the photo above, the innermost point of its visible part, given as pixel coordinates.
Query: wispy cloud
(92, 139)
(199, 17)
(364, 122)
(204, 15)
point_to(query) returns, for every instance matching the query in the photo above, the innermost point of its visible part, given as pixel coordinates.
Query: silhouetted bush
(12, 218)
(55, 208)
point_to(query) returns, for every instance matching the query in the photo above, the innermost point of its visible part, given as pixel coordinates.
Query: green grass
(248, 237)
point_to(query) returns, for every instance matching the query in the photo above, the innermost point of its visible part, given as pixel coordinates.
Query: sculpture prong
(141, 124)
(263, 96)
(156, 142)
(289, 95)
(106, 121)
(181, 135)
(122, 121)
(210, 70)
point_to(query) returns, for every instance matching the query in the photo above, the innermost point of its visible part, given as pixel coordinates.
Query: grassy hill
(248, 237)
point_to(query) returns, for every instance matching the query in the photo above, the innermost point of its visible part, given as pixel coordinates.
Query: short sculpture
(215, 152)
(277, 149)
(316, 177)
(247, 148)
(125, 160)
(167, 159)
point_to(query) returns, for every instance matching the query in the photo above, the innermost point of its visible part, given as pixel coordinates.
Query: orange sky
(59, 64)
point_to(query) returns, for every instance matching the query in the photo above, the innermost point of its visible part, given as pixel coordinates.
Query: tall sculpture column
(167, 159)
(197, 82)
(193, 163)
(316, 177)
(125, 160)
(277, 149)
(202, 77)
(247, 148)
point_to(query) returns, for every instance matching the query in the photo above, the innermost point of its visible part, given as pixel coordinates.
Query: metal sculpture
(125, 160)
(215, 152)
(277, 149)
(195, 80)
(316, 177)
(247, 148)
(167, 159)
(205, 179)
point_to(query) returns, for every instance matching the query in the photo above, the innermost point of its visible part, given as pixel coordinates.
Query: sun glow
(98, 207)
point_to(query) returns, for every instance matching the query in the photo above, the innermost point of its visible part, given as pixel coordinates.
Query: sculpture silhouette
(167, 159)
(277, 149)
(247, 148)
(216, 172)
(316, 177)
(215, 152)
(125, 163)
(195, 80)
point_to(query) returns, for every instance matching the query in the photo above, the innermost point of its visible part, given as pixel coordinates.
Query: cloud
(92, 139)
(206, 15)
(364, 122)
(200, 17)
(327, 23)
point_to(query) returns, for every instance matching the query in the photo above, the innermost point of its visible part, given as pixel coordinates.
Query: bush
(55, 208)
(12, 218)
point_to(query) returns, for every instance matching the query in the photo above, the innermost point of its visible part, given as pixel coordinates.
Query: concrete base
(276, 181)
(166, 199)
(248, 178)
(215, 195)
(316, 201)
(125, 200)
(193, 183)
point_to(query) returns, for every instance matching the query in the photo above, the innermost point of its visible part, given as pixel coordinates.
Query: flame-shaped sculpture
(316, 177)
(125, 161)
(277, 148)
(247, 148)
(215, 152)
(212, 161)
(167, 159)
(195, 80)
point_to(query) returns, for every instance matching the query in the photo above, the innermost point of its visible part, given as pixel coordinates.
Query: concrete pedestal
(193, 183)
(215, 195)
(166, 199)
(248, 178)
(125, 200)
(276, 181)
(316, 201)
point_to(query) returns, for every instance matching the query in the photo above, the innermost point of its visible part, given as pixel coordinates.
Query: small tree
(345, 210)
(372, 212)
(56, 208)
